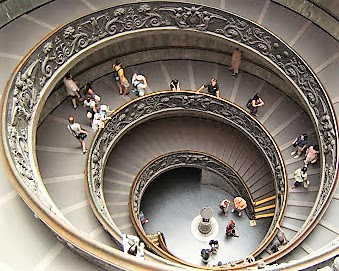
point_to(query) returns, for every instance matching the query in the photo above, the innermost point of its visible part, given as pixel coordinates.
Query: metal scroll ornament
(162, 103)
(28, 84)
(189, 159)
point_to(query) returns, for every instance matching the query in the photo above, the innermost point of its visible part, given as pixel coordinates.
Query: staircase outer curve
(180, 103)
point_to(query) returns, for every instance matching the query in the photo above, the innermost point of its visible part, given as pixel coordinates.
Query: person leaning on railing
(212, 88)
(278, 241)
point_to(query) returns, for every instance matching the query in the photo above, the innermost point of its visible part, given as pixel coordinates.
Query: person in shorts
(299, 144)
(120, 78)
(79, 133)
(72, 89)
(300, 178)
(212, 88)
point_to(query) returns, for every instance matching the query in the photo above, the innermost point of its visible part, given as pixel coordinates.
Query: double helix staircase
(61, 162)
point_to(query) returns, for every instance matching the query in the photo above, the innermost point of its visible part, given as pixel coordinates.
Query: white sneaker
(293, 152)
(297, 156)
(239, 213)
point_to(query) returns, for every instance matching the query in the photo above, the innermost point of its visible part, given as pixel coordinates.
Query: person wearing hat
(239, 205)
(139, 83)
(212, 88)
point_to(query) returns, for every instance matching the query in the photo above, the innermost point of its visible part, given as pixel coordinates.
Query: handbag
(82, 135)
(89, 115)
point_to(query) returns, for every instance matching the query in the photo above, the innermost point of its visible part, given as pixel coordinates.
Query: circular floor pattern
(175, 198)
(204, 237)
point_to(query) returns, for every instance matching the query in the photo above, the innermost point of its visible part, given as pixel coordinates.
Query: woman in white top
(97, 122)
(91, 108)
(79, 133)
(139, 83)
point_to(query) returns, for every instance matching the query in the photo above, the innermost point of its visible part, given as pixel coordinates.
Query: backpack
(116, 74)
(249, 104)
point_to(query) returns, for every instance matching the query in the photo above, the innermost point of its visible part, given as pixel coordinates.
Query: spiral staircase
(30, 244)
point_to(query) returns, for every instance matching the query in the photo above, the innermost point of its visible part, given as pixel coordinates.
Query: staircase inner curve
(297, 206)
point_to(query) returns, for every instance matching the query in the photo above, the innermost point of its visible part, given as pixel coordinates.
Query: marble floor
(176, 197)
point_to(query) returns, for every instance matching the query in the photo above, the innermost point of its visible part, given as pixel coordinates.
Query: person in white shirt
(104, 112)
(91, 108)
(79, 133)
(72, 89)
(97, 122)
(139, 83)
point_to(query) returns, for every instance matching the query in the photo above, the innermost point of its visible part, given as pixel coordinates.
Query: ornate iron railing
(182, 159)
(187, 159)
(181, 103)
(33, 80)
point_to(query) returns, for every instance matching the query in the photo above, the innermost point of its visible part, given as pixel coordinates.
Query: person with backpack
(254, 103)
(79, 133)
(300, 177)
(120, 78)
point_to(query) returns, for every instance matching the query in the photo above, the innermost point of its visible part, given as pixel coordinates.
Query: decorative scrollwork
(161, 103)
(192, 159)
(24, 92)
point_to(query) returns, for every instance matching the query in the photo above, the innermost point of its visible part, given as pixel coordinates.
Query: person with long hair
(254, 103)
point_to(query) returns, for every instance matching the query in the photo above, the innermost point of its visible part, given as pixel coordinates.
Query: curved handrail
(163, 103)
(170, 161)
(33, 79)
(188, 158)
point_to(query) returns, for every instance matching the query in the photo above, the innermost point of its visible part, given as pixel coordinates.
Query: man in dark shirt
(212, 88)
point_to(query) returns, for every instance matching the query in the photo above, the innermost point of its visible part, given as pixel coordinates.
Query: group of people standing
(96, 112)
(138, 80)
(239, 205)
(311, 157)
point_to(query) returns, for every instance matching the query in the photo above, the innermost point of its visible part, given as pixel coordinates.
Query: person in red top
(230, 229)
(239, 205)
